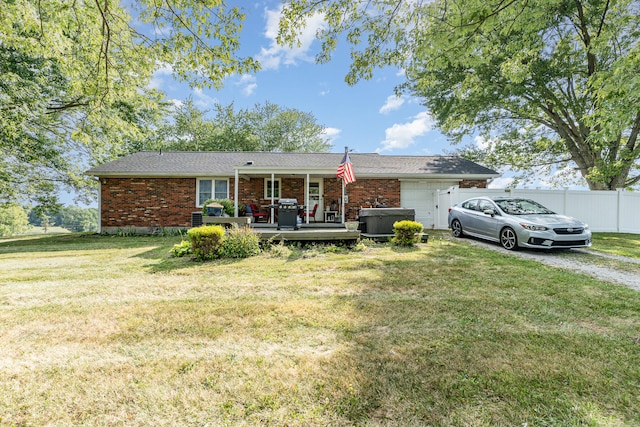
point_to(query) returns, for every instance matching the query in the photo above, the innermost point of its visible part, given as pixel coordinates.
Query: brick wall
(148, 202)
(363, 193)
(467, 183)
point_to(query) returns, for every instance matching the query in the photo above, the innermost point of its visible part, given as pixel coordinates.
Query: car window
(522, 207)
(483, 205)
(470, 204)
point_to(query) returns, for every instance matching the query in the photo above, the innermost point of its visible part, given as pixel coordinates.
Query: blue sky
(367, 117)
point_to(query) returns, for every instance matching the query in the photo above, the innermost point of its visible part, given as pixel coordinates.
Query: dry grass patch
(442, 334)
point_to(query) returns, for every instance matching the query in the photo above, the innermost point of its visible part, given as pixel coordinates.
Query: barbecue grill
(288, 213)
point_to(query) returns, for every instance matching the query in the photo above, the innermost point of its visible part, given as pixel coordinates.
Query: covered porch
(318, 193)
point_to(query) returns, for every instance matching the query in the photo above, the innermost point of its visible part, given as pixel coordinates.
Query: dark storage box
(380, 220)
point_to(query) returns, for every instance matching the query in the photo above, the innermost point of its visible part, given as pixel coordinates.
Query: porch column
(235, 196)
(273, 178)
(306, 199)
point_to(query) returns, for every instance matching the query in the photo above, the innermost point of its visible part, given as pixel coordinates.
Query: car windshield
(522, 207)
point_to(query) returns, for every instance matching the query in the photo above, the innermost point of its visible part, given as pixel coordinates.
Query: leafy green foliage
(549, 86)
(181, 249)
(227, 206)
(406, 233)
(240, 242)
(13, 219)
(206, 241)
(73, 218)
(265, 127)
(74, 82)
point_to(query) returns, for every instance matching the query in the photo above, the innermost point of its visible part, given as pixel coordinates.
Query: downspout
(99, 206)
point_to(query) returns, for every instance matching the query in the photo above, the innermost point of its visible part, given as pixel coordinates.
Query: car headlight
(533, 227)
(586, 226)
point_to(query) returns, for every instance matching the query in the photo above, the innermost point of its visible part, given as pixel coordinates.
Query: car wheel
(456, 228)
(508, 239)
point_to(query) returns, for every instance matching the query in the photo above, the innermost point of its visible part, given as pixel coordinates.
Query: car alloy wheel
(508, 239)
(456, 228)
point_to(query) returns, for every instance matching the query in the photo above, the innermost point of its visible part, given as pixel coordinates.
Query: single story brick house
(150, 190)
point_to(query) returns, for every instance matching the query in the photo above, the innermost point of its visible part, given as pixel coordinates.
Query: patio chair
(312, 214)
(257, 213)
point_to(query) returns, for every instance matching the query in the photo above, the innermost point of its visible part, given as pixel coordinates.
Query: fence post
(619, 207)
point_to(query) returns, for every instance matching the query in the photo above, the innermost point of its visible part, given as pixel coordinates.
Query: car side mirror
(489, 212)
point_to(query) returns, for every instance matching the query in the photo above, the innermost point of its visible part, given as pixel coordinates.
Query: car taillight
(450, 209)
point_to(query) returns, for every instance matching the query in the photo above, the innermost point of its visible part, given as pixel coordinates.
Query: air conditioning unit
(196, 219)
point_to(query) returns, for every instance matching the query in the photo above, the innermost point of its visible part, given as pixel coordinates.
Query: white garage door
(421, 196)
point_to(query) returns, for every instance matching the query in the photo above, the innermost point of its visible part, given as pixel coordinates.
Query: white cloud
(332, 134)
(501, 182)
(403, 135)
(158, 79)
(177, 103)
(202, 100)
(393, 103)
(481, 142)
(248, 84)
(271, 57)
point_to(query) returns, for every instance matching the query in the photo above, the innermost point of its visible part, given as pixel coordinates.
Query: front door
(315, 196)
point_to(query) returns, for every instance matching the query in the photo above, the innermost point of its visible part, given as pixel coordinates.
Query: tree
(267, 127)
(74, 80)
(74, 218)
(13, 219)
(548, 84)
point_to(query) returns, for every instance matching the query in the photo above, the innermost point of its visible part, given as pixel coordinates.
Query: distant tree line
(16, 219)
(265, 127)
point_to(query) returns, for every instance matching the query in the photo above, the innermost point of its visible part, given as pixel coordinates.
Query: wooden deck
(307, 232)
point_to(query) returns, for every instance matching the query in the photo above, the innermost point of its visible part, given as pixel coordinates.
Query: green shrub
(181, 249)
(206, 241)
(227, 206)
(407, 233)
(240, 242)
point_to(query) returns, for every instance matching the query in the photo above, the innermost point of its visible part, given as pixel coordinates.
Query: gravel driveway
(609, 268)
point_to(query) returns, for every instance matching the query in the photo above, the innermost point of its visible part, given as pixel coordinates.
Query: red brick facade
(480, 183)
(147, 202)
(169, 202)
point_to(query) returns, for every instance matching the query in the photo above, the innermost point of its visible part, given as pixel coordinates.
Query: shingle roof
(192, 164)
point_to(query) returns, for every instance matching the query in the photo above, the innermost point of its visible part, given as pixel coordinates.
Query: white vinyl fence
(604, 211)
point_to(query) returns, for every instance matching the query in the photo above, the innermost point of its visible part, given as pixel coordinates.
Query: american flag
(345, 170)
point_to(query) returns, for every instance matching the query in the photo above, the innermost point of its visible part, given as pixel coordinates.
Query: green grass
(112, 331)
(617, 244)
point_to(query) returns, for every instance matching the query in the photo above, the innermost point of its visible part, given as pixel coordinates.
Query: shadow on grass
(460, 336)
(49, 242)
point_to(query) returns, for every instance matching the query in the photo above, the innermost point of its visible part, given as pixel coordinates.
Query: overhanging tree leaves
(549, 84)
(74, 80)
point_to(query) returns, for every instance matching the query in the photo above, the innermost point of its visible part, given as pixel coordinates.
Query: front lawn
(111, 331)
(622, 244)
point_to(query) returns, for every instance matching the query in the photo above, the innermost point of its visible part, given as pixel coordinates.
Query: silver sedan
(515, 223)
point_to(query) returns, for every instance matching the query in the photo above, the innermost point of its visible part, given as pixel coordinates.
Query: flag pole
(346, 151)
(342, 180)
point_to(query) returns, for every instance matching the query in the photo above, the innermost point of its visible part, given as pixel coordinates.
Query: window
(484, 205)
(212, 189)
(276, 188)
(470, 204)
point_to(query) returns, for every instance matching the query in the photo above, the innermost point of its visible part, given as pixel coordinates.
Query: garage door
(421, 196)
